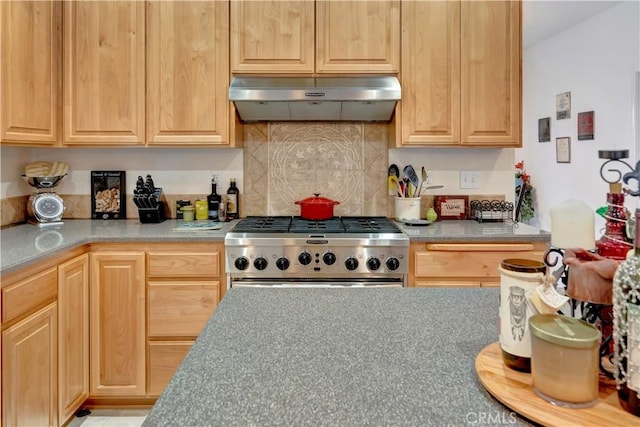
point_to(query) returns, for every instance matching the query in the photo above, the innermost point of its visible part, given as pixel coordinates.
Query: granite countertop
(25, 244)
(474, 231)
(338, 357)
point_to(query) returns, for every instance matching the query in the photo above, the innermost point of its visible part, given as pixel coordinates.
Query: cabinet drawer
(180, 309)
(469, 260)
(183, 264)
(164, 359)
(28, 294)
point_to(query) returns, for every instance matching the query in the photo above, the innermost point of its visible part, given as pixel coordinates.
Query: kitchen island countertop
(401, 357)
(25, 244)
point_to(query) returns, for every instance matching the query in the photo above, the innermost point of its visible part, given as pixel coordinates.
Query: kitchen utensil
(401, 186)
(424, 177)
(316, 208)
(411, 175)
(394, 170)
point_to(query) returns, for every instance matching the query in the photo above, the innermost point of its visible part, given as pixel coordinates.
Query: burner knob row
(329, 258)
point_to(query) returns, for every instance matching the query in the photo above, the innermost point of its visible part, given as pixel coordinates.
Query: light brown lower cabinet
(465, 264)
(117, 324)
(29, 370)
(183, 289)
(164, 359)
(73, 336)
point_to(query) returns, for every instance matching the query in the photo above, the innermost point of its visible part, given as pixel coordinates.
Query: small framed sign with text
(563, 150)
(451, 207)
(108, 195)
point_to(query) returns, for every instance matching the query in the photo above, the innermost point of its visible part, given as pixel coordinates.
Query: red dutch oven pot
(316, 208)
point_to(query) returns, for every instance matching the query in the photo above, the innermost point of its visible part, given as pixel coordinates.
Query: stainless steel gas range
(282, 251)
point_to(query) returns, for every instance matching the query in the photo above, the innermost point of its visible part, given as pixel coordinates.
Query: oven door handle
(315, 285)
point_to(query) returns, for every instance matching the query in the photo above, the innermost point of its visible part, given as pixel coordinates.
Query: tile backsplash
(288, 161)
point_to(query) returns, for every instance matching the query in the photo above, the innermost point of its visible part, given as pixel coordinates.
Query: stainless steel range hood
(312, 99)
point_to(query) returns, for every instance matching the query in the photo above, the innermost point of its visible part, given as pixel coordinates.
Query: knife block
(152, 215)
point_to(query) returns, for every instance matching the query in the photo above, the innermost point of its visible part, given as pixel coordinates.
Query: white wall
(177, 171)
(597, 61)
(495, 167)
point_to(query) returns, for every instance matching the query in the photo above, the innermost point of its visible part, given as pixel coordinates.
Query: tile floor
(111, 418)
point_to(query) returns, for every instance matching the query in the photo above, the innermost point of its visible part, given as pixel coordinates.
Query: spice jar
(188, 213)
(564, 360)
(518, 279)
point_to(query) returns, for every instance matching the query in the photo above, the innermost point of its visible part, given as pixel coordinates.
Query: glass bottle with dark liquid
(626, 328)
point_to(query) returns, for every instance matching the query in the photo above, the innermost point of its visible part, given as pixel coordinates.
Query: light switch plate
(469, 179)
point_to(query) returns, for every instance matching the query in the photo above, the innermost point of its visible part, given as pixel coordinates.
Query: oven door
(316, 283)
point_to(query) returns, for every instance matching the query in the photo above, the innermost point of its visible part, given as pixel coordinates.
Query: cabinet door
(29, 370)
(430, 73)
(73, 336)
(188, 72)
(491, 75)
(358, 36)
(272, 36)
(29, 70)
(104, 72)
(117, 320)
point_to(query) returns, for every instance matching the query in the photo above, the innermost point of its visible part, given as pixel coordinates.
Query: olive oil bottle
(233, 200)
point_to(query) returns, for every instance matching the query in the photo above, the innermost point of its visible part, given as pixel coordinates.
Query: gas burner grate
(300, 225)
(369, 225)
(263, 224)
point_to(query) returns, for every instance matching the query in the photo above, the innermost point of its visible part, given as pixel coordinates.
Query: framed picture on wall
(563, 106)
(544, 129)
(585, 125)
(563, 150)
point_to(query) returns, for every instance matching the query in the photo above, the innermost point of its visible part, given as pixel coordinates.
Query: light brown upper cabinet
(29, 71)
(154, 73)
(461, 76)
(285, 37)
(104, 72)
(272, 36)
(188, 72)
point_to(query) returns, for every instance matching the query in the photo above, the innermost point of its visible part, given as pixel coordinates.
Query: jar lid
(188, 208)
(564, 330)
(523, 265)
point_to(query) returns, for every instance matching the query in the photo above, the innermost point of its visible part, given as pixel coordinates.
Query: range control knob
(329, 258)
(282, 263)
(373, 264)
(304, 258)
(260, 263)
(241, 263)
(393, 263)
(351, 263)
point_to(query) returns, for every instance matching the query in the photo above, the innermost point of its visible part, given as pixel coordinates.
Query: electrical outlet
(469, 179)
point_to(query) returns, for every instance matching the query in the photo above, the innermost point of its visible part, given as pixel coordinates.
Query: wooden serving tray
(513, 389)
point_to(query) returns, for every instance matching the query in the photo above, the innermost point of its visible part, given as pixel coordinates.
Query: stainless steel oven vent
(315, 98)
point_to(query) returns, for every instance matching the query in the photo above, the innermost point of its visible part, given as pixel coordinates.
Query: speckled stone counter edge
(26, 244)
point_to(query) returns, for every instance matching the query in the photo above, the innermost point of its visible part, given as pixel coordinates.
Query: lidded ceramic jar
(565, 360)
